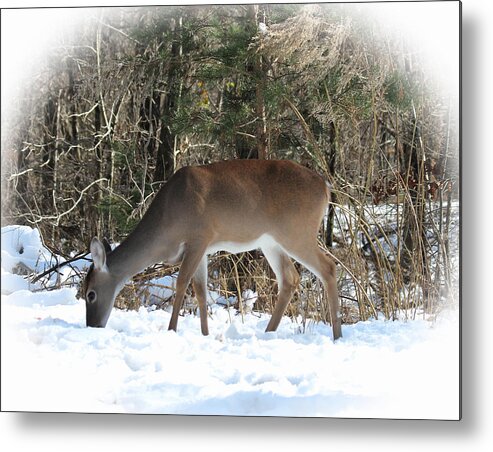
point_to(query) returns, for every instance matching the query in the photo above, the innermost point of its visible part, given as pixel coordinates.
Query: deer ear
(98, 254)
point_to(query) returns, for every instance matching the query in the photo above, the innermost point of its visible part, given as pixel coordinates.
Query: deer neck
(131, 257)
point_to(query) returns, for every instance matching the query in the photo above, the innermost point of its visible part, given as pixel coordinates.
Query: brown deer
(233, 206)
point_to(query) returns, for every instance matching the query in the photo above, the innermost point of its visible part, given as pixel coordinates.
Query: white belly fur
(264, 241)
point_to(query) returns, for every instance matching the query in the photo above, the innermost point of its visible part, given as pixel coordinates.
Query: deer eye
(91, 296)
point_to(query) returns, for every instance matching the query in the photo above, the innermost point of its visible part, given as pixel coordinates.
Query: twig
(58, 266)
(58, 217)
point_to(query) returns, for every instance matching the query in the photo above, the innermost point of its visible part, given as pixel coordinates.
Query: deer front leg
(191, 259)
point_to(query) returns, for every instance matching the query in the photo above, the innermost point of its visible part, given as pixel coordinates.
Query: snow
(22, 244)
(262, 28)
(52, 362)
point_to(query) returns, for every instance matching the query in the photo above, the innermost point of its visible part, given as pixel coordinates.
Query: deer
(276, 206)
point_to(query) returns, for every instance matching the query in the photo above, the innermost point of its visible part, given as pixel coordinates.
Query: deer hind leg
(200, 286)
(191, 260)
(287, 280)
(322, 265)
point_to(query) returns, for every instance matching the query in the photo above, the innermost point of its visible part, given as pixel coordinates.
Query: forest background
(136, 93)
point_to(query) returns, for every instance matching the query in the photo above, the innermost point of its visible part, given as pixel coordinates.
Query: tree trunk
(414, 259)
(259, 72)
(332, 148)
(165, 153)
(96, 220)
(167, 105)
(48, 156)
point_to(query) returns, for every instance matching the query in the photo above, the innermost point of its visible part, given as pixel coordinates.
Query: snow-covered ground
(52, 362)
